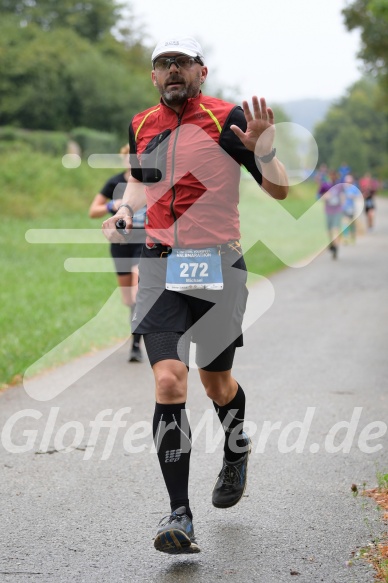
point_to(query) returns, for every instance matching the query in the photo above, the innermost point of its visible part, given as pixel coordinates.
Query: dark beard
(176, 97)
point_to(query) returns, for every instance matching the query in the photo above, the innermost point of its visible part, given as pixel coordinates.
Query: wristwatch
(267, 157)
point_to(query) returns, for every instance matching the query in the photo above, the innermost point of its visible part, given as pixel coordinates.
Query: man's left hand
(260, 132)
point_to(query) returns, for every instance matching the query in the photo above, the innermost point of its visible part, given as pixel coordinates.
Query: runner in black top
(126, 256)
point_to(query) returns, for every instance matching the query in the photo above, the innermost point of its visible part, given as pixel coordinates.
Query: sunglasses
(181, 61)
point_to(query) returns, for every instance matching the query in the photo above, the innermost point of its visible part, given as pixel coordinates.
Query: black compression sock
(172, 437)
(231, 416)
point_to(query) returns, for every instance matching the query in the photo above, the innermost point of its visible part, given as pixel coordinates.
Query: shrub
(54, 143)
(95, 142)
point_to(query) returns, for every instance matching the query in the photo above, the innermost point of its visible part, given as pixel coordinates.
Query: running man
(187, 152)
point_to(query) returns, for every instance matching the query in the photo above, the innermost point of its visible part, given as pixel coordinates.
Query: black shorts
(369, 205)
(211, 319)
(125, 256)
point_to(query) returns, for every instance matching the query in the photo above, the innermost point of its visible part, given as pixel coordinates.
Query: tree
(349, 146)
(371, 16)
(34, 78)
(56, 79)
(106, 95)
(91, 20)
(356, 119)
(326, 131)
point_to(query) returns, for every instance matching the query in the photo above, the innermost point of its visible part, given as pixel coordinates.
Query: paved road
(318, 356)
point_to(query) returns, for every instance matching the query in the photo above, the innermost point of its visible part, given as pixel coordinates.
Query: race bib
(194, 269)
(334, 200)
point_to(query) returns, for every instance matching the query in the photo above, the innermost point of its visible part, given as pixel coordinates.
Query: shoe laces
(171, 518)
(230, 475)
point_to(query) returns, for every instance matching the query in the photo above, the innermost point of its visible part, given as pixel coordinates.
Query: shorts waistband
(223, 247)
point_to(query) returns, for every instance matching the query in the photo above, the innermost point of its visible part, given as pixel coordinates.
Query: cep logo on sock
(172, 455)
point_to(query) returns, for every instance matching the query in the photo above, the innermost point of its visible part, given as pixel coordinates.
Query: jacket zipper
(157, 156)
(172, 179)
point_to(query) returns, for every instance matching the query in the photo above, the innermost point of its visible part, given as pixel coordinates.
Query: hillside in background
(306, 112)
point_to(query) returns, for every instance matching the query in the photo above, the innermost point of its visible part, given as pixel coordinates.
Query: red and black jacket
(190, 164)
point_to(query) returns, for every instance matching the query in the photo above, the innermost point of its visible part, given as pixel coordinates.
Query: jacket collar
(190, 103)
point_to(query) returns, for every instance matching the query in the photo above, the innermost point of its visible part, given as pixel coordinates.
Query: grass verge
(376, 552)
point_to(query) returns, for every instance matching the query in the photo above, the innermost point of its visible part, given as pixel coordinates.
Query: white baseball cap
(187, 45)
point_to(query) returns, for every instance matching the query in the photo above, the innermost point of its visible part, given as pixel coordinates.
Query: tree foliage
(371, 17)
(61, 66)
(88, 19)
(355, 130)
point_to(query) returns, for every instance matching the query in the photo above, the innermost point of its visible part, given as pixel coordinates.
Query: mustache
(174, 78)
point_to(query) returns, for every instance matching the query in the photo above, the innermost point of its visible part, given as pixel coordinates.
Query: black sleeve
(234, 146)
(114, 187)
(108, 188)
(136, 171)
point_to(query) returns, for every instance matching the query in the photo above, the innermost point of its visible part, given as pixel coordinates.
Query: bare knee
(220, 387)
(214, 390)
(170, 383)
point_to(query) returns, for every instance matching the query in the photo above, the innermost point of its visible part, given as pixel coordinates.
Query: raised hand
(260, 132)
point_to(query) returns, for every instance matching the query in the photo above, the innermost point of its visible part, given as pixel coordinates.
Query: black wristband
(267, 157)
(131, 213)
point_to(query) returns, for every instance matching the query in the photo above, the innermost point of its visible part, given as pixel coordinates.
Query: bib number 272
(191, 269)
(194, 269)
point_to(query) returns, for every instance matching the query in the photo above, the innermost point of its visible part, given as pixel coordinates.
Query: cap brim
(182, 52)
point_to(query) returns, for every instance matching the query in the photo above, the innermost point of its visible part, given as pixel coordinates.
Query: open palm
(260, 133)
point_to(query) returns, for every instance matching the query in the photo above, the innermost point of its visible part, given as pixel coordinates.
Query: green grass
(276, 234)
(376, 553)
(35, 185)
(382, 480)
(42, 304)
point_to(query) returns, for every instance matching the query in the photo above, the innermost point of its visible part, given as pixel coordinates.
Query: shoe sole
(175, 542)
(135, 358)
(245, 485)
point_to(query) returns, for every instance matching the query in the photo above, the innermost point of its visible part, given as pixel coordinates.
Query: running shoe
(232, 480)
(175, 534)
(334, 250)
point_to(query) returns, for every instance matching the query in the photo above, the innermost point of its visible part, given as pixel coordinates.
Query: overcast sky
(280, 49)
